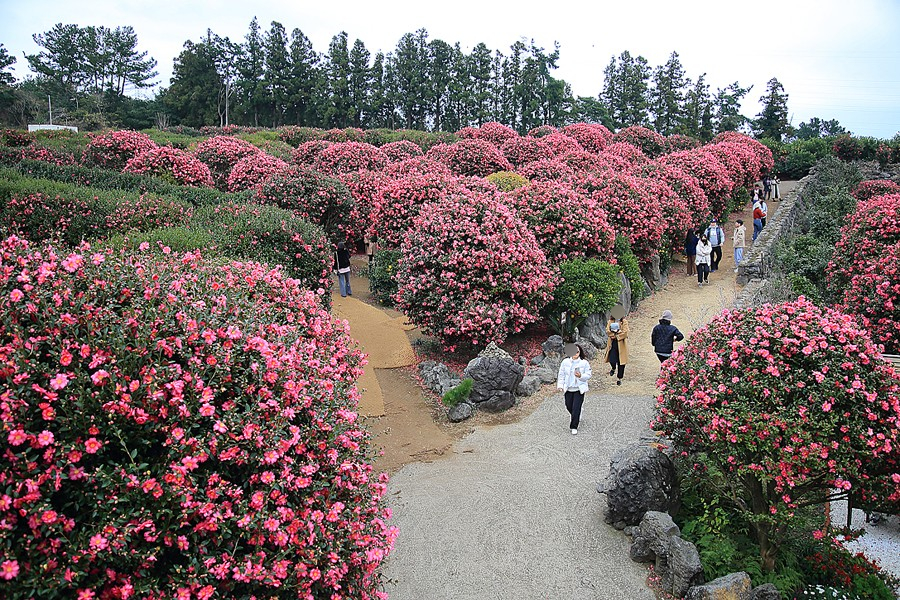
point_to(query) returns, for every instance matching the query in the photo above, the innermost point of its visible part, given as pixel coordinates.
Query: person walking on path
(690, 249)
(371, 247)
(617, 348)
(757, 219)
(716, 238)
(342, 268)
(739, 239)
(776, 193)
(704, 252)
(765, 212)
(664, 336)
(574, 373)
(767, 187)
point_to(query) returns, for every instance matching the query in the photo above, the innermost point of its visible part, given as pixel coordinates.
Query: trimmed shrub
(521, 150)
(632, 155)
(364, 187)
(418, 165)
(306, 153)
(146, 212)
(112, 150)
(709, 172)
(591, 136)
(847, 148)
(560, 143)
(172, 165)
(178, 239)
(507, 181)
(686, 187)
(400, 200)
(254, 170)
(40, 217)
(874, 295)
(458, 394)
(866, 190)
(586, 286)
(13, 138)
(313, 197)
(648, 141)
(471, 272)
(383, 276)
(496, 133)
(209, 447)
(294, 136)
(349, 156)
(401, 150)
(677, 142)
(546, 170)
(220, 154)
(470, 157)
(542, 130)
(272, 235)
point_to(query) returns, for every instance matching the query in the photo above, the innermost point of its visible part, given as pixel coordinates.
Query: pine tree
(440, 75)
(728, 106)
(410, 68)
(697, 115)
(668, 95)
(625, 90)
(304, 81)
(252, 90)
(773, 121)
(191, 99)
(359, 84)
(337, 81)
(277, 72)
(481, 70)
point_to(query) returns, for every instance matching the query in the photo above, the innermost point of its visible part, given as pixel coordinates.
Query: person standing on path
(757, 219)
(371, 247)
(716, 238)
(574, 373)
(776, 193)
(617, 348)
(690, 249)
(664, 336)
(342, 268)
(739, 238)
(704, 251)
(765, 212)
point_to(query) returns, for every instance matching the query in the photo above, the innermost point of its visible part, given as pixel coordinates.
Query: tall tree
(383, 113)
(728, 115)
(699, 107)
(440, 75)
(337, 68)
(305, 80)
(6, 61)
(481, 68)
(192, 97)
(667, 96)
(625, 90)
(586, 109)
(277, 72)
(817, 128)
(459, 92)
(411, 71)
(773, 121)
(252, 70)
(359, 84)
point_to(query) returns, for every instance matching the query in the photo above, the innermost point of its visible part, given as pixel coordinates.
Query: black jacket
(664, 337)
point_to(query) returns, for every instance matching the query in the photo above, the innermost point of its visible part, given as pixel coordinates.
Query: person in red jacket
(757, 219)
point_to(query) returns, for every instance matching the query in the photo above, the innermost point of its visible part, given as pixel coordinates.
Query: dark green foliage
(588, 286)
(178, 239)
(628, 264)
(382, 276)
(773, 121)
(458, 394)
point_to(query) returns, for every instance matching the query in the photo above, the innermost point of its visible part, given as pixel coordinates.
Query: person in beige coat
(739, 238)
(617, 348)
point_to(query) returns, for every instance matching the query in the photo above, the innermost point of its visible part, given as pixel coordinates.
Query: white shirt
(566, 379)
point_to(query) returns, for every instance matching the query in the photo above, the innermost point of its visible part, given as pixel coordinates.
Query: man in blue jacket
(716, 238)
(664, 336)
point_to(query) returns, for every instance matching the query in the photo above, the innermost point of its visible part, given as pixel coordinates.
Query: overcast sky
(836, 58)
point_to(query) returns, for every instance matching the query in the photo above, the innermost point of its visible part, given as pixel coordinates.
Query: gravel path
(515, 514)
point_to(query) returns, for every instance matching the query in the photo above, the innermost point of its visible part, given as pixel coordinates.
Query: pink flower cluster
(112, 150)
(470, 157)
(876, 187)
(306, 153)
(522, 150)
(399, 201)
(39, 217)
(548, 169)
(147, 212)
(401, 150)
(792, 396)
(592, 137)
(471, 272)
(254, 170)
(709, 171)
(210, 448)
(648, 141)
(172, 164)
(221, 153)
(346, 157)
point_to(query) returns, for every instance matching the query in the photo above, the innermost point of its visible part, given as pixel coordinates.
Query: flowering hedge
(631, 154)
(399, 201)
(630, 208)
(220, 154)
(560, 143)
(208, 449)
(147, 212)
(544, 170)
(743, 165)
(709, 172)
(470, 157)
(114, 149)
(677, 142)
(38, 217)
(592, 137)
(496, 133)
(313, 197)
(847, 147)
(565, 223)
(582, 161)
(349, 156)
(790, 402)
(401, 150)
(648, 141)
(521, 150)
(364, 187)
(307, 152)
(172, 165)
(56, 157)
(877, 187)
(686, 187)
(762, 152)
(418, 165)
(295, 136)
(254, 170)
(471, 272)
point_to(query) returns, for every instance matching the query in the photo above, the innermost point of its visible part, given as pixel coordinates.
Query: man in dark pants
(716, 238)
(664, 336)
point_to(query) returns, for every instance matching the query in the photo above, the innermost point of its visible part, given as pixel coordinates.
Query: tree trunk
(761, 528)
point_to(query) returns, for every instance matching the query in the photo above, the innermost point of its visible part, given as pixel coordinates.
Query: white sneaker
(574, 432)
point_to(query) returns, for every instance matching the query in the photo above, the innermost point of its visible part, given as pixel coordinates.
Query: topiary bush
(542, 131)
(254, 170)
(677, 142)
(172, 165)
(470, 157)
(847, 148)
(112, 150)
(400, 200)
(560, 143)
(471, 272)
(146, 212)
(521, 150)
(294, 136)
(546, 170)
(383, 276)
(313, 197)
(349, 156)
(220, 154)
(401, 150)
(496, 133)
(648, 141)
(866, 190)
(791, 405)
(632, 155)
(709, 172)
(209, 447)
(586, 286)
(178, 239)
(507, 181)
(39, 217)
(592, 137)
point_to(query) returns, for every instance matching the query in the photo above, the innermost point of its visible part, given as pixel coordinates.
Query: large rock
(587, 349)
(641, 478)
(460, 412)
(545, 374)
(766, 591)
(677, 562)
(553, 345)
(438, 377)
(684, 568)
(593, 329)
(495, 381)
(625, 295)
(652, 537)
(528, 386)
(651, 274)
(734, 586)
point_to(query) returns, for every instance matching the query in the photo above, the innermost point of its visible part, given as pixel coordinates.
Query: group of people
(704, 249)
(575, 372)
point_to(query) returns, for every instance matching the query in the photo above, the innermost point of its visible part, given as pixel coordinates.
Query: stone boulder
(460, 412)
(734, 586)
(651, 538)
(766, 591)
(494, 350)
(528, 386)
(650, 273)
(657, 539)
(545, 374)
(683, 567)
(438, 377)
(593, 329)
(641, 478)
(495, 381)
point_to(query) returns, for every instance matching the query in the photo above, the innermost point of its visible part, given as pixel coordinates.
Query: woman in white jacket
(574, 373)
(704, 251)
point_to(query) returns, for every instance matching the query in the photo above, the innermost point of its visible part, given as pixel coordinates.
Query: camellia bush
(209, 448)
(470, 157)
(648, 141)
(709, 172)
(400, 200)
(401, 150)
(220, 153)
(471, 272)
(254, 170)
(114, 149)
(507, 181)
(592, 137)
(147, 212)
(876, 187)
(38, 217)
(521, 150)
(172, 165)
(792, 404)
(546, 170)
(306, 153)
(349, 156)
(496, 133)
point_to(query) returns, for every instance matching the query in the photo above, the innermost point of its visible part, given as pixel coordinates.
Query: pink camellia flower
(9, 569)
(48, 517)
(98, 542)
(45, 438)
(16, 437)
(59, 381)
(97, 258)
(92, 445)
(100, 377)
(16, 295)
(73, 262)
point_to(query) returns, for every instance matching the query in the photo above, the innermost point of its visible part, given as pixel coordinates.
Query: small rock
(460, 412)
(544, 374)
(766, 591)
(734, 586)
(495, 351)
(528, 386)
(537, 360)
(652, 537)
(553, 345)
(684, 565)
(588, 349)
(500, 401)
